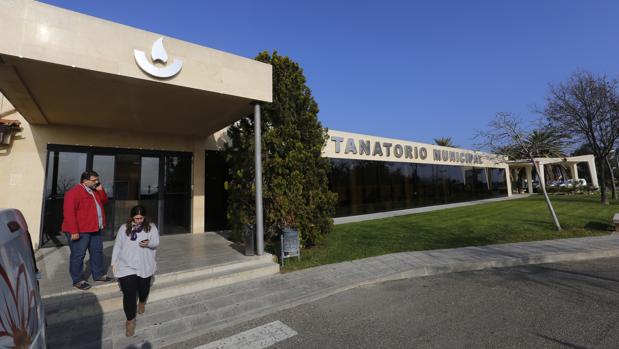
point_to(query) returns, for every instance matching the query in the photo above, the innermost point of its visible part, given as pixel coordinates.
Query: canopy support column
(258, 164)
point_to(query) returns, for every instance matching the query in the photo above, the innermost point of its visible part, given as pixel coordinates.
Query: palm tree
(444, 142)
(548, 144)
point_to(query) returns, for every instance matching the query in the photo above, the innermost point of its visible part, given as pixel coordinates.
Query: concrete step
(101, 290)
(174, 319)
(216, 311)
(71, 306)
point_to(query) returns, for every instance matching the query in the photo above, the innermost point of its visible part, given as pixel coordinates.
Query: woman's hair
(138, 210)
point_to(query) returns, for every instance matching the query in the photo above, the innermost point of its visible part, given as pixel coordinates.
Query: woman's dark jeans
(133, 287)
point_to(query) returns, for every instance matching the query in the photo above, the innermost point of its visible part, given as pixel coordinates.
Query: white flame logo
(158, 54)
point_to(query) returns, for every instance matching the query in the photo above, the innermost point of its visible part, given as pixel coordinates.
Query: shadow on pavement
(562, 343)
(65, 331)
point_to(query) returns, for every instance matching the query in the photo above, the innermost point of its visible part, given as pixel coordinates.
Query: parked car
(534, 183)
(22, 317)
(556, 183)
(580, 182)
(569, 183)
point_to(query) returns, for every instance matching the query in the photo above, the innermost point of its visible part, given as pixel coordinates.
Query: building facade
(140, 108)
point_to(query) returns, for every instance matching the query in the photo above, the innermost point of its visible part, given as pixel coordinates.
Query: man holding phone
(83, 221)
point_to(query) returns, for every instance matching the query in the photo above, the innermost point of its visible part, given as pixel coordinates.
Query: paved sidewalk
(170, 322)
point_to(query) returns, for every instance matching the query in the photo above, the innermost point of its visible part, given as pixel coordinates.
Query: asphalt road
(564, 305)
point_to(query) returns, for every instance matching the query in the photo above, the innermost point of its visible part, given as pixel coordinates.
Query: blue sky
(413, 70)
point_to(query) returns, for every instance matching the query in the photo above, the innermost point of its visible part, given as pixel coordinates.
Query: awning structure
(570, 162)
(59, 67)
(52, 94)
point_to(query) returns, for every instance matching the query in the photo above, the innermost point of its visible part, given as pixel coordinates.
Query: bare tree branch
(587, 108)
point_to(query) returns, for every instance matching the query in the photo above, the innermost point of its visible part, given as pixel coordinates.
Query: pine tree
(295, 182)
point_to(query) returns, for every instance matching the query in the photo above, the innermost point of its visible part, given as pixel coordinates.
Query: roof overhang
(59, 67)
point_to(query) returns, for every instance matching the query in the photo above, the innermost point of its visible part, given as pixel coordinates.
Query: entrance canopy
(59, 67)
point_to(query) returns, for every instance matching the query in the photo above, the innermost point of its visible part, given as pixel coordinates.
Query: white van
(22, 319)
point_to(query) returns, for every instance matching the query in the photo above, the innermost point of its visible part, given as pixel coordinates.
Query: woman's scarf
(135, 229)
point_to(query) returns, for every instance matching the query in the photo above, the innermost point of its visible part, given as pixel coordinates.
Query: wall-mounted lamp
(7, 129)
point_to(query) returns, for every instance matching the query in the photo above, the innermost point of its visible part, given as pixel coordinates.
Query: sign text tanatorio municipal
(399, 151)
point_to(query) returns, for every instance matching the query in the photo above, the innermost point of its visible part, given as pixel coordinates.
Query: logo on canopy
(158, 54)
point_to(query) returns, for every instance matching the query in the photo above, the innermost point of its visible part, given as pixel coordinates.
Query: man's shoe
(130, 328)
(104, 278)
(82, 285)
(141, 307)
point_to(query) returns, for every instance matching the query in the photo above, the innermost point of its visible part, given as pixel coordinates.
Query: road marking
(256, 338)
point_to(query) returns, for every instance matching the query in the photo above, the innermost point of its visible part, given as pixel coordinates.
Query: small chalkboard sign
(289, 245)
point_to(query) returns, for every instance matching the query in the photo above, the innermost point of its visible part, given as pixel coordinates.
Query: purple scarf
(135, 229)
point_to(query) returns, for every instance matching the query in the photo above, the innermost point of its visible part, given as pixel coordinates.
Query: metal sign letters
(379, 149)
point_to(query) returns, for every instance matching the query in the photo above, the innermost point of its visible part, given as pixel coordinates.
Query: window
(374, 186)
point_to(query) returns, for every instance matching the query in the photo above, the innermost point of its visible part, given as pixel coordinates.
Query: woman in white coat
(133, 262)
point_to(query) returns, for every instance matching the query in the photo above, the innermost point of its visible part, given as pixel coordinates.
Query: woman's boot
(141, 307)
(130, 328)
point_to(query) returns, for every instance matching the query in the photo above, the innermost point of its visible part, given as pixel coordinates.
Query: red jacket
(80, 212)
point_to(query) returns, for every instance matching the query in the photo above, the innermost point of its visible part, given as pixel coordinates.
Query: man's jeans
(93, 242)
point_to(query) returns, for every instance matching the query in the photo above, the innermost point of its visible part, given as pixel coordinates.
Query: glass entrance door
(104, 165)
(149, 188)
(63, 172)
(126, 187)
(160, 181)
(177, 194)
(216, 195)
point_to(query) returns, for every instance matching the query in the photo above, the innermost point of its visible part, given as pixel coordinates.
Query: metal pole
(258, 161)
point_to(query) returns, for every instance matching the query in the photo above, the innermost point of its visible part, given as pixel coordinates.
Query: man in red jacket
(84, 218)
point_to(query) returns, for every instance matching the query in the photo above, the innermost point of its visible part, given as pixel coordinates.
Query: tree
(587, 108)
(551, 144)
(295, 188)
(507, 136)
(445, 142)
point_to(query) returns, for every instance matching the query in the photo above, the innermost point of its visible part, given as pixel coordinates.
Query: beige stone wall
(217, 140)
(22, 165)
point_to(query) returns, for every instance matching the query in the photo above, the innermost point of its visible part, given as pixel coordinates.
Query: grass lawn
(492, 223)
